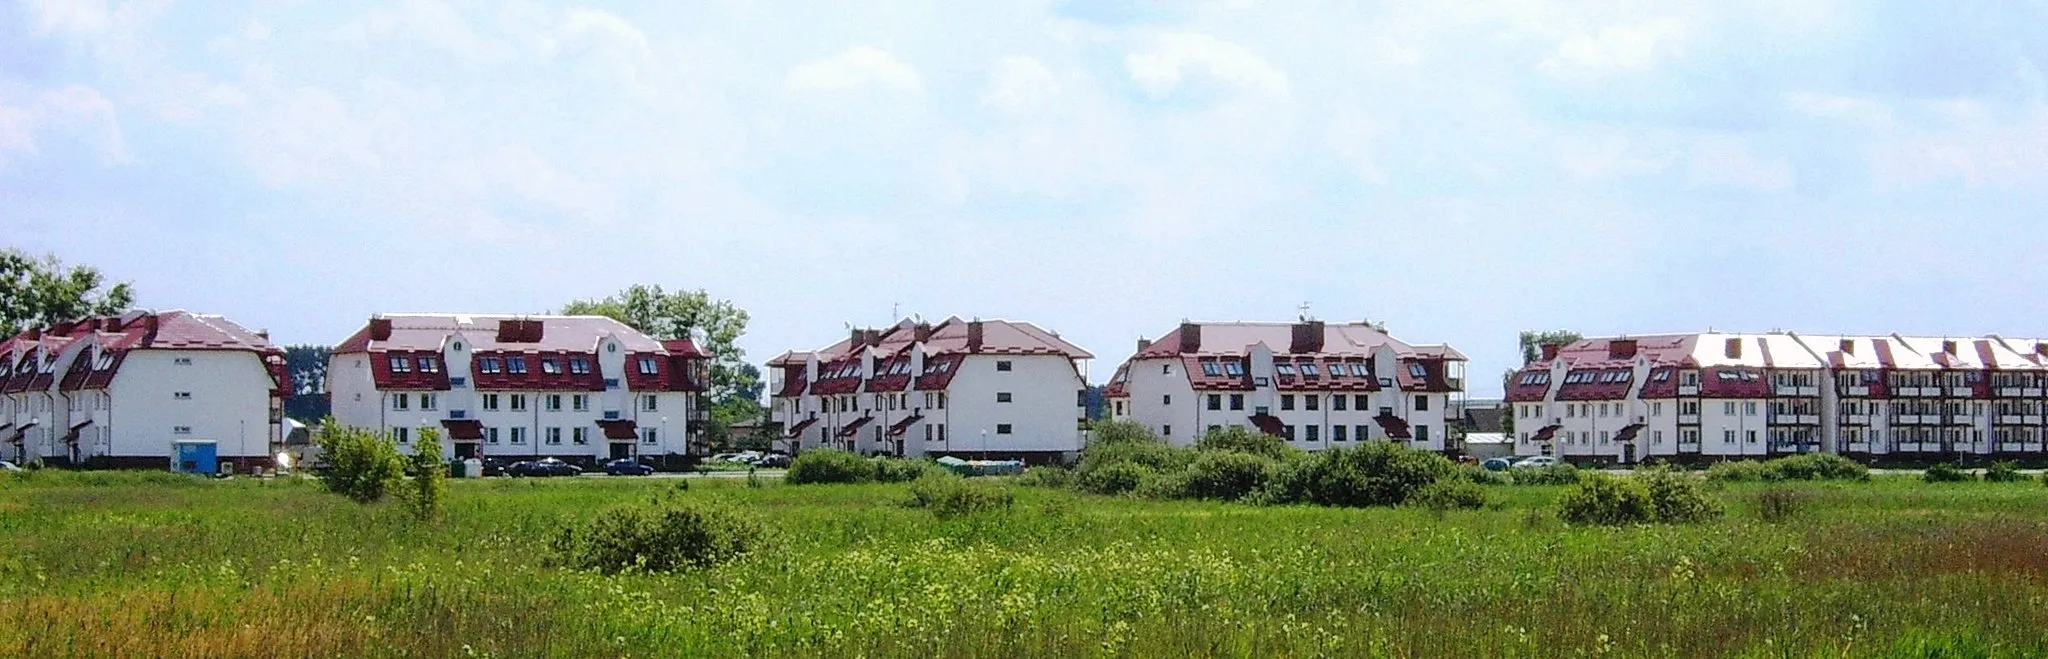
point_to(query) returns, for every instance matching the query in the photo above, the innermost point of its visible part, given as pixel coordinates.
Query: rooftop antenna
(894, 311)
(1304, 310)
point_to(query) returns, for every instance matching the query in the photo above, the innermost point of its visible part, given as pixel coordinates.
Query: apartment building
(1722, 395)
(967, 388)
(124, 391)
(1317, 385)
(578, 388)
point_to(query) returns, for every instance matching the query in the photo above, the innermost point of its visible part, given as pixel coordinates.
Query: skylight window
(1284, 369)
(488, 365)
(1418, 370)
(1233, 368)
(647, 366)
(399, 364)
(1309, 370)
(579, 366)
(550, 366)
(1212, 369)
(515, 365)
(1359, 370)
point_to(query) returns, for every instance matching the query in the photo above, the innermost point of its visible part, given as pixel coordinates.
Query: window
(518, 402)
(550, 366)
(1657, 408)
(1215, 402)
(1004, 429)
(1422, 403)
(1603, 410)
(1571, 411)
(515, 365)
(1212, 369)
(1657, 437)
(1728, 408)
(1166, 399)
(183, 361)
(1359, 432)
(1311, 402)
(399, 364)
(552, 403)
(1309, 370)
(403, 435)
(1237, 402)
(401, 401)
(653, 435)
(518, 435)
(1233, 369)
(1286, 402)
(1358, 403)
(648, 366)
(1337, 402)
(580, 402)
(488, 365)
(178, 395)
(650, 403)
(490, 402)
(430, 364)
(1313, 434)
(579, 366)
(1603, 437)
(1166, 369)
(1728, 436)
(491, 435)
(430, 402)
(1752, 437)
(1003, 365)
(181, 430)
(1422, 433)
(580, 436)
(1418, 370)
(1286, 370)
(1166, 431)
(1749, 409)
(1004, 397)
(1337, 433)
(1287, 433)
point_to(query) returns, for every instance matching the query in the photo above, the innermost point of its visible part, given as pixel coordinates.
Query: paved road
(764, 473)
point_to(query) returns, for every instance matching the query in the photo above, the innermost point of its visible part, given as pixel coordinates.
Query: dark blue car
(627, 467)
(542, 467)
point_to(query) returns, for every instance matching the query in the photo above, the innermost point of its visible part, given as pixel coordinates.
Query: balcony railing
(1789, 418)
(1795, 390)
(1689, 419)
(1688, 390)
(2019, 419)
(1856, 390)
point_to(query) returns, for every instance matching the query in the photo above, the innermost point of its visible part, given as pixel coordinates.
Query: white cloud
(70, 15)
(1173, 58)
(75, 110)
(1733, 162)
(1020, 84)
(432, 22)
(857, 67)
(1861, 112)
(1616, 49)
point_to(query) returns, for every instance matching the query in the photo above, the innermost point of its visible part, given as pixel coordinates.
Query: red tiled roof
(1269, 424)
(619, 429)
(1546, 433)
(536, 339)
(898, 428)
(1395, 426)
(464, 429)
(1339, 339)
(853, 427)
(1628, 432)
(800, 426)
(95, 339)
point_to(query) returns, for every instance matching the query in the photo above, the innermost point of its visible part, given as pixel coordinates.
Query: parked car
(1497, 464)
(1536, 462)
(494, 467)
(627, 467)
(8, 466)
(542, 467)
(777, 460)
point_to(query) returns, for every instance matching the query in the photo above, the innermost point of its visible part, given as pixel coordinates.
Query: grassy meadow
(100, 564)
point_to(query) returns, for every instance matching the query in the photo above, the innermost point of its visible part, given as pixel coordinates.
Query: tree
(308, 367)
(362, 465)
(1533, 342)
(429, 485)
(40, 292)
(668, 315)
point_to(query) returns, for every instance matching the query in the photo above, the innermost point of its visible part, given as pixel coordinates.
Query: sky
(1103, 168)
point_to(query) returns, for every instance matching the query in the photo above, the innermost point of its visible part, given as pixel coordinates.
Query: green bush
(1815, 467)
(949, 496)
(2003, 471)
(1945, 472)
(1608, 500)
(1737, 471)
(1226, 476)
(429, 485)
(363, 465)
(1483, 476)
(1677, 498)
(1778, 504)
(1557, 474)
(1371, 474)
(1118, 478)
(1156, 455)
(828, 466)
(1449, 494)
(1241, 440)
(661, 537)
(1053, 476)
(900, 470)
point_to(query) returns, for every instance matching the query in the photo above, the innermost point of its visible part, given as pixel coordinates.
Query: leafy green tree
(1533, 342)
(38, 292)
(429, 485)
(307, 365)
(670, 315)
(1237, 439)
(363, 465)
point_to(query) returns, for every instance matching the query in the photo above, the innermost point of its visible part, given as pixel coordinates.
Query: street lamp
(984, 443)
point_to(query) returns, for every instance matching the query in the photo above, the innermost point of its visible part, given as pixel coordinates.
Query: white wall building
(1718, 395)
(579, 388)
(119, 391)
(995, 388)
(1317, 385)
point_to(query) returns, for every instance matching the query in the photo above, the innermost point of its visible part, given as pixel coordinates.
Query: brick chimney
(62, 328)
(380, 329)
(922, 332)
(1848, 346)
(511, 331)
(1550, 350)
(1733, 348)
(1621, 349)
(1307, 337)
(1144, 344)
(1190, 338)
(974, 338)
(1948, 347)
(111, 324)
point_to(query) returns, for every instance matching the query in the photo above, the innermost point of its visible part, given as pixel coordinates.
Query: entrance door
(622, 450)
(465, 450)
(1628, 453)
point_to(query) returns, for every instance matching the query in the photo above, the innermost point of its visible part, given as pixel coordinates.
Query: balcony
(2019, 419)
(1791, 419)
(1856, 419)
(1688, 419)
(2019, 392)
(1795, 390)
(1688, 390)
(1856, 390)
(1917, 391)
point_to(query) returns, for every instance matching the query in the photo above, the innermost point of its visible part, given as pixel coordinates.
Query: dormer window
(579, 366)
(1418, 370)
(515, 365)
(1284, 369)
(550, 366)
(488, 365)
(1234, 368)
(399, 364)
(648, 366)
(430, 365)
(1212, 369)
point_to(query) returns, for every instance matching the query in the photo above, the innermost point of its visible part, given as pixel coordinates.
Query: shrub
(429, 485)
(828, 466)
(1163, 486)
(1603, 499)
(1677, 498)
(1118, 478)
(1053, 476)
(2003, 471)
(1557, 474)
(950, 496)
(1449, 494)
(1118, 432)
(363, 465)
(1945, 472)
(1815, 467)
(1482, 476)
(1737, 471)
(900, 470)
(1241, 440)
(661, 537)
(1226, 476)
(1153, 454)
(1372, 474)
(1777, 504)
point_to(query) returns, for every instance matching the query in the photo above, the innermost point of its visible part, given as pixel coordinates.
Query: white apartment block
(120, 391)
(1317, 385)
(579, 388)
(1722, 396)
(995, 388)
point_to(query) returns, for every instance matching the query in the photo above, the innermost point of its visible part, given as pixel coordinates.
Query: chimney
(380, 329)
(62, 328)
(922, 332)
(511, 331)
(1144, 344)
(1733, 349)
(2041, 349)
(111, 324)
(263, 334)
(1190, 338)
(1948, 347)
(1621, 349)
(857, 338)
(33, 333)
(1848, 346)
(1550, 350)
(974, 336)
(1307, 337)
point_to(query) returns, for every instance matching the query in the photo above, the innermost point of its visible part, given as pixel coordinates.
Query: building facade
(123, 391)
(1721, 396)
(578, 388)
(1314, 384)
(995, 388)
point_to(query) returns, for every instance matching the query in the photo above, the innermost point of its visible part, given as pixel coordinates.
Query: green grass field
(152, 565)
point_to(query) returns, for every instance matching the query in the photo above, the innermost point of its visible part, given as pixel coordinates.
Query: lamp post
(664, 427)
(984, 443)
